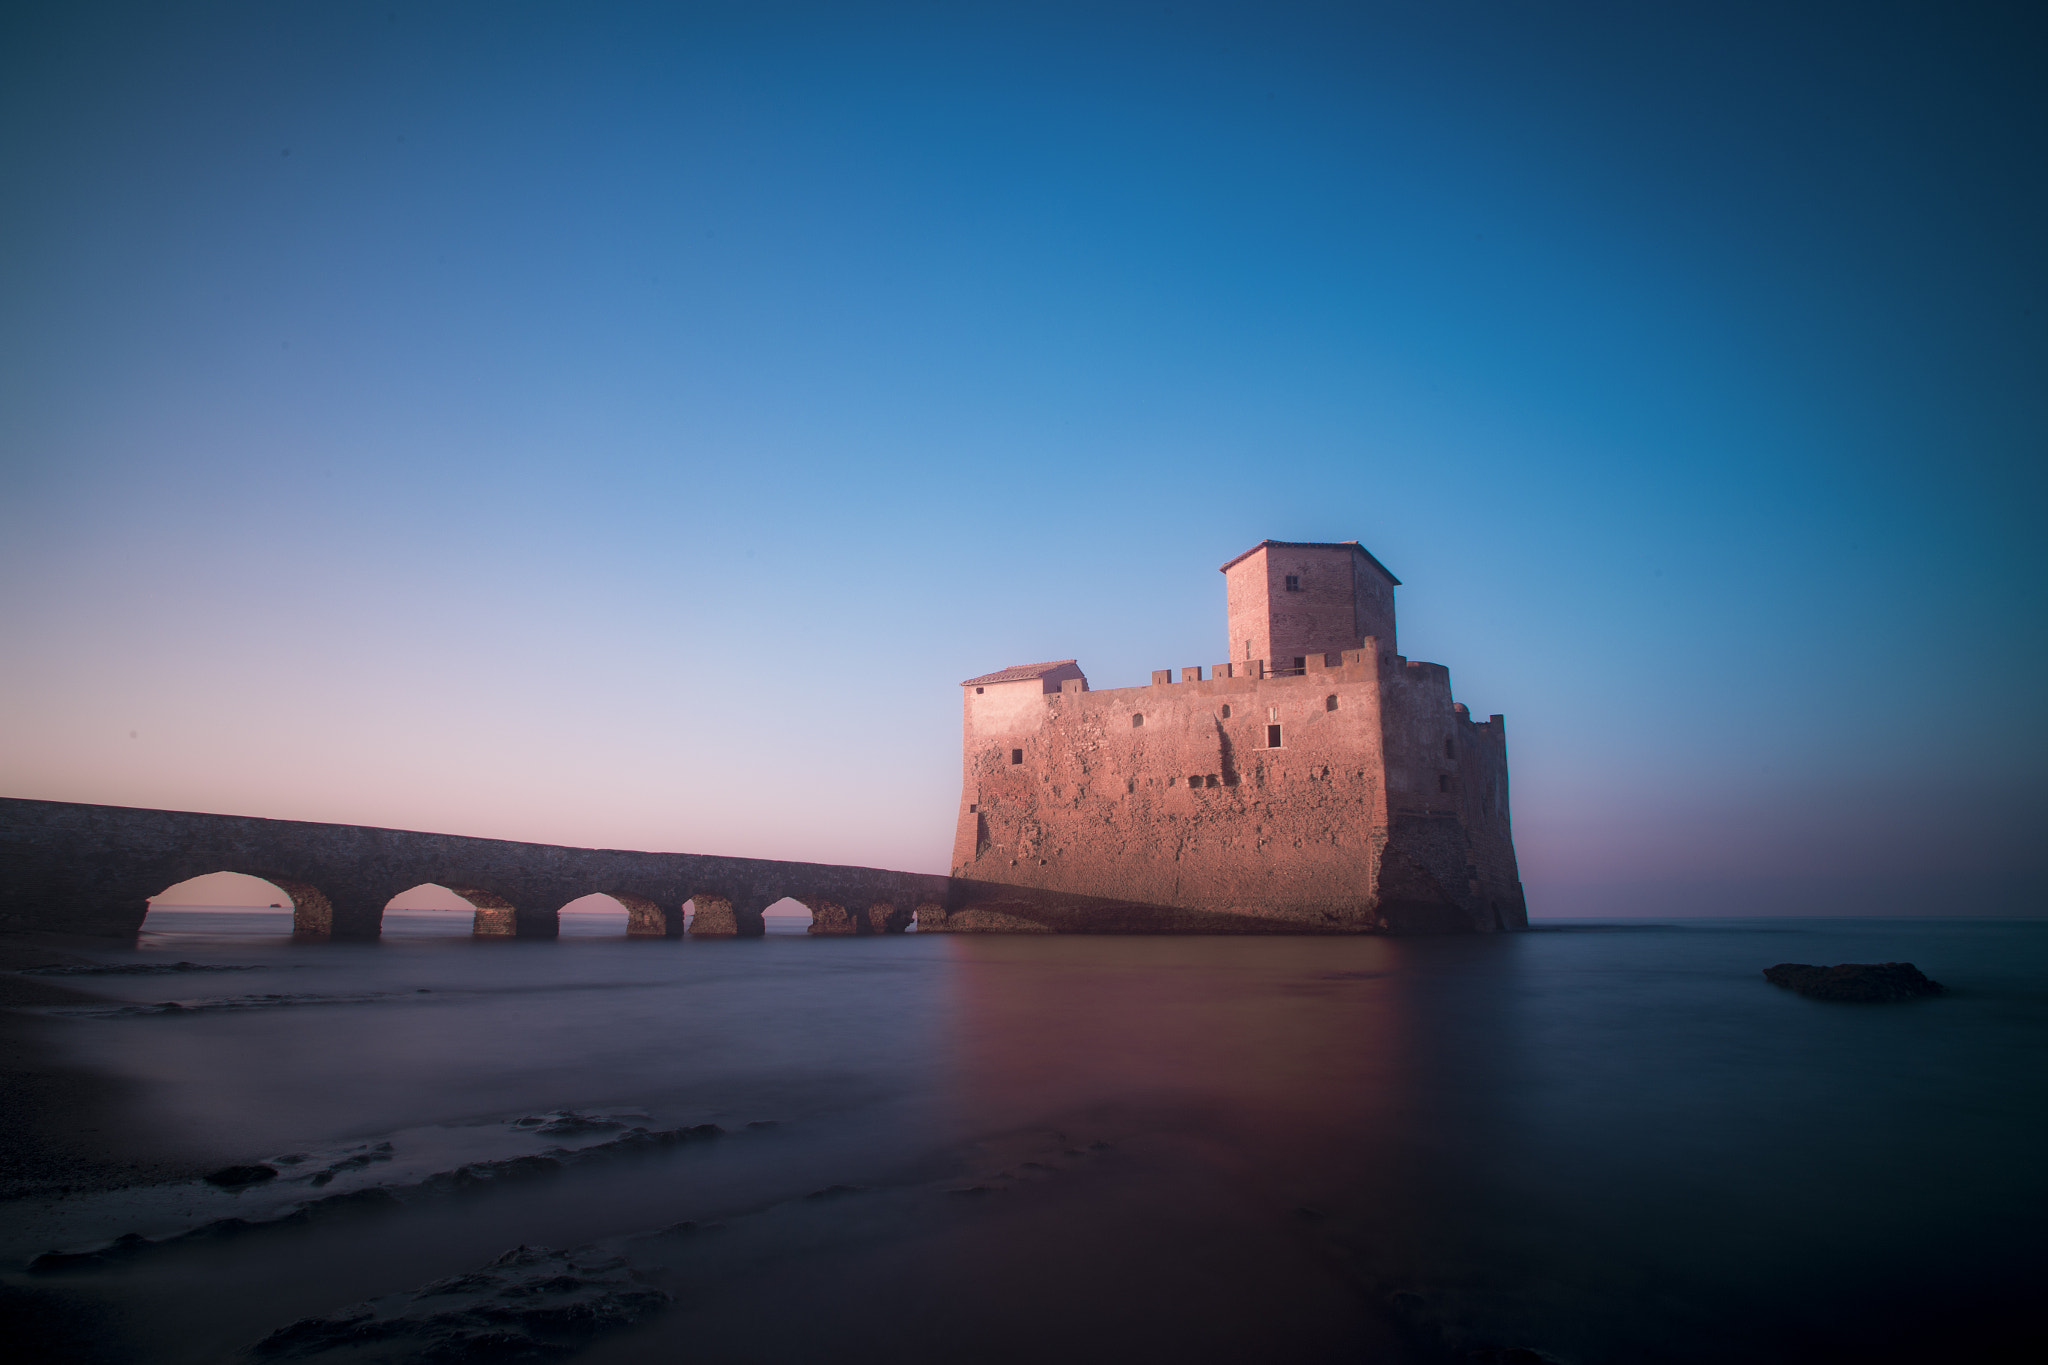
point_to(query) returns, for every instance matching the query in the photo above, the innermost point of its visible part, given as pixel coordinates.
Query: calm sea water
(1609, 1143)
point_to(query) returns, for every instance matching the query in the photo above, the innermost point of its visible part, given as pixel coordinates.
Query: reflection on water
(1610, 1145)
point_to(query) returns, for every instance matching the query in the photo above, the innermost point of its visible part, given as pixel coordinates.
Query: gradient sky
(626, 424)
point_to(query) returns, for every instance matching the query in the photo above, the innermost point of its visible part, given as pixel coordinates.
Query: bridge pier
(721, 916)
(887, 917)
(335, 912)
(829, 916)
(648, 918)
(495, 917)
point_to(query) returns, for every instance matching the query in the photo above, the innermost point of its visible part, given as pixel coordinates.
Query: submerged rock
(532, 1303)
(130, 1245)
(129, 969)
(1863, 983)
(481, 1173)
(234, 1177)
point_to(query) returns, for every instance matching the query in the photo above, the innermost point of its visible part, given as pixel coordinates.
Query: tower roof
(1316, 545)
(1018, 673)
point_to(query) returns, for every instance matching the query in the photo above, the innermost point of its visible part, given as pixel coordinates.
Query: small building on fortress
(1315, 781)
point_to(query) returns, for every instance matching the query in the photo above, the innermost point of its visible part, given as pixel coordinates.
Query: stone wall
(1382, 809)
(1453, 860)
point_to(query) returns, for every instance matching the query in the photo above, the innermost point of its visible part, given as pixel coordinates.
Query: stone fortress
(1316, 781)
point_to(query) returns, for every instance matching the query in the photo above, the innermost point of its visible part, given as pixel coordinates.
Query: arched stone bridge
(82, 869)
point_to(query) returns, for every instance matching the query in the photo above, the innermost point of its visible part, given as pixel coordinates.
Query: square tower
(1289, 599)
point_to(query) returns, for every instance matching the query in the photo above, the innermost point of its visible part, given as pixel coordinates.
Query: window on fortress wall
(1294, 582)
(1330, 702)
(1443, 782)
(1272, 736)
(1137, 719)
(1016, 756)
(1450, 748)
(1300, 662)
(1226, 713)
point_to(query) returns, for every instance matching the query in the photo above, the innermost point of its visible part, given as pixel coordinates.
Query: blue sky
(626, 424)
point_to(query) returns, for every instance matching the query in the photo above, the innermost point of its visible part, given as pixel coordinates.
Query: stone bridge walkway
(81, 869)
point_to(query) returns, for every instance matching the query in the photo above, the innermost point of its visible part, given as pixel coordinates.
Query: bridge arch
(492, 912)
(639, 915)
(499, 907)
(223, 890)
(427, 908)
(310, 907)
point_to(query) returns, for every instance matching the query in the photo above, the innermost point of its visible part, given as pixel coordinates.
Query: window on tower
(1294, 582)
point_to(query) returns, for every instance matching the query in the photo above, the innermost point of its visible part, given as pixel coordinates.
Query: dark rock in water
(129, 969)
(368, 1156)
(532, 1303)
(833, 1192)
(132, 1244)
(568, 1123)
(235, 1177)
(1863, 983)
(97, 1258)
(634, 1138)
(1441, 1337)
(482, 1173)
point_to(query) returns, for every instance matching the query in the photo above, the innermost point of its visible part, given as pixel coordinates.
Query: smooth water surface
(1605, 1142)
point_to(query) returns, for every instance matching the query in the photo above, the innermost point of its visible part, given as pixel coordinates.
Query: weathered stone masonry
(1315, 782)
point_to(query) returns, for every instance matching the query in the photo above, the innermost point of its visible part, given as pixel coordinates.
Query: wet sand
(63, 1127)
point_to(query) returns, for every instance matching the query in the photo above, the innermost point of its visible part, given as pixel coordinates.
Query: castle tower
(1289, 599)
